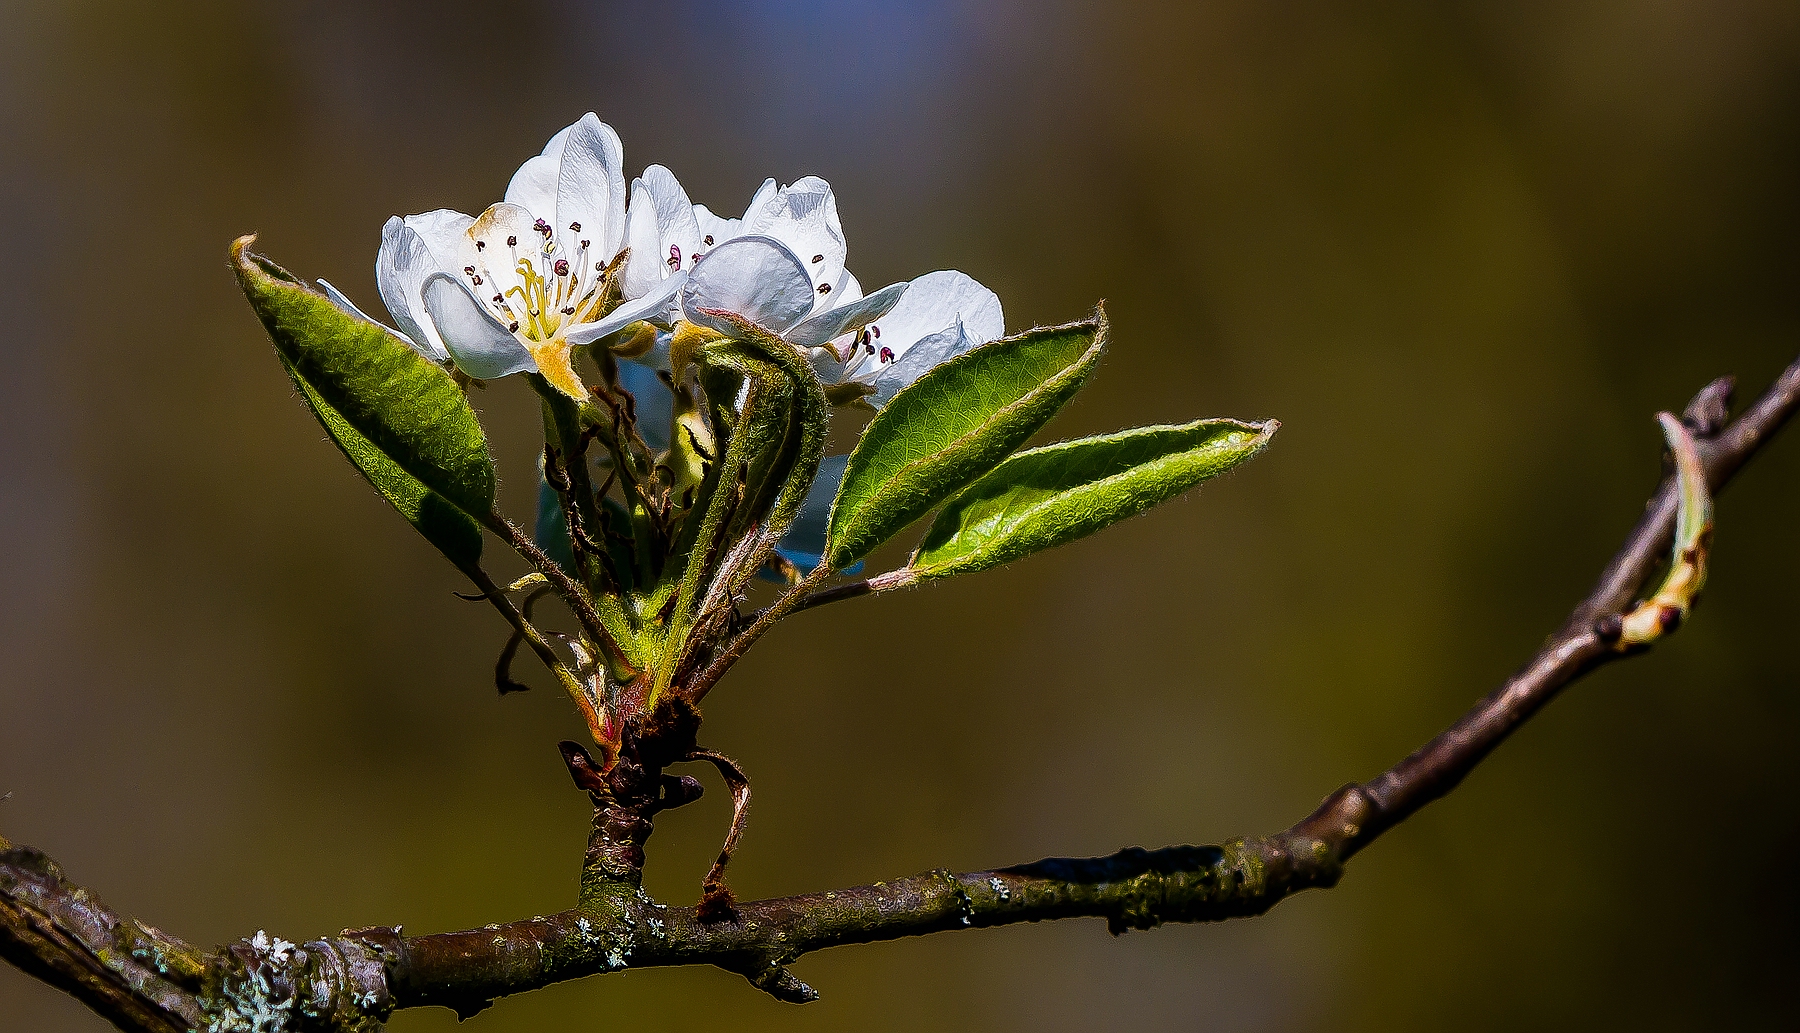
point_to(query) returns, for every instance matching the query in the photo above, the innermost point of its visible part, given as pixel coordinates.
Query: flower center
(551, 282)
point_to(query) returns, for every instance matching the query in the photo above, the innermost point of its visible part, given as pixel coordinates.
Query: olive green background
(1463, 252)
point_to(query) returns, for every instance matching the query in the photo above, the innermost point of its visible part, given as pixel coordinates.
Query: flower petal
(348, 308)
(935, 302)
(654, 307)
(659, 218)
(503, 238)
(533, 187)
(756, 278)
(846, 318)
(924, 354)
(401, 267)
(480, 344)
(804, 216)
(590, 186)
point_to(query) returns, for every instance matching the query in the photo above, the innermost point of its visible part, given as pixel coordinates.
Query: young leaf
(1046, 497)
(450, 529)
(397, 401)
(954, 424)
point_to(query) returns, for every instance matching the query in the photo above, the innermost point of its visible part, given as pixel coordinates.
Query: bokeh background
(1463, 251)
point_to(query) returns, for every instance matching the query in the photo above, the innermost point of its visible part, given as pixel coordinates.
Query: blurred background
(1463, 251)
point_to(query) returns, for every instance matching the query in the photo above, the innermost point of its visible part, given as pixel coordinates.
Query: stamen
(674, 256)
(877, 331)
(481, 245)
(477, 281)
(887, 354)
(584, 243)
(562, 267)
(575, 227)
(468, 270)
(512, 241)
(542, 227)
(569, 311)
(514, 327)
(709, 240)
(818, 258)
(824, 288)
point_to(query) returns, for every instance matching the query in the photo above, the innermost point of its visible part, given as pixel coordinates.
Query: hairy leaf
(455, 534)
(954, 424)
(1048, 496)
(400, 403)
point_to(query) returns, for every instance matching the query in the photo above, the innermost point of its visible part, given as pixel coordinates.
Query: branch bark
(142, 980)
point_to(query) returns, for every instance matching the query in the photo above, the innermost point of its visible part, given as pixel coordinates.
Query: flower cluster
(571, 258)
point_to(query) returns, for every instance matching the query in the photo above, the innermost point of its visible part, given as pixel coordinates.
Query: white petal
(935, 302)
(534, 186)
(833, 323)
(712, 226)
(590, 186)
(756, 278)
(348, 308)
(847, 289)
(401, 268)
(919, 358)
(660, 218)
(497, 261)
(480, 344)
(804, 216)
(654, 307)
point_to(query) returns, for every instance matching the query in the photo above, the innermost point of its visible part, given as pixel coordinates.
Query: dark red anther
(887, 354)
(542, 227)
(877, 331)
(513, 328)
(584, 245)
(824, 288)
(481, 245)
(574, 227)
(709, 240)
(499, 299)
(512, 241)
(468, 270)
(561, 267)
(674, 256)
(818, 258)
(477, 281)
(569, 311)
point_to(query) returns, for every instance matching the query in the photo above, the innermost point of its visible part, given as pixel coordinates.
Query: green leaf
(1049, 496)
(455, 534)
(399, 403)
(952, 425)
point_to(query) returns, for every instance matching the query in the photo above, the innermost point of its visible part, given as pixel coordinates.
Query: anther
(824, 288)
(709, 240)
(477, 281)
(887, 354)
(818, 258)
(499, 299)
(542, 227)
(584, 243)
(513, 327)
(877, 331)
(575, 227)
(561, 267)
(674, 256)
(481, 245)
(468, 270)
(569, 311)
(512, 241)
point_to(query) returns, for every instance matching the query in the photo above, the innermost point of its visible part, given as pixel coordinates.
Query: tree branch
(144, 981)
